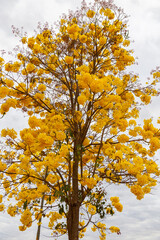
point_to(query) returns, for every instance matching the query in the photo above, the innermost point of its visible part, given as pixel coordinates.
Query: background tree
(82, 133)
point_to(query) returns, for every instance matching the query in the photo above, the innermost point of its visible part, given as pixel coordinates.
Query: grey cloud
(6, 13)
(14, 119)
(155, 13)
(139, 219)
(9, 229)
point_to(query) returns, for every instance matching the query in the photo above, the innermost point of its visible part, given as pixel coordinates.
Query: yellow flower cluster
(123, 138)
(26, 219)
(53, 217)
(102, 228)
(9, 67)
(138, 191)
(73, 31)
(69, 60)
(45, 140)
(12, 210)
(12, 171)
(9, 83)
(91, 209)
(114, 229)
(116, 203)
(108, 13)
(142, 179)
(2, 207)
(83, 38)
(9, 132)
(42, 87)
(3, 92)
(90, 182)
(154, 144)
(90, 13)
(34, 122)
(82, 99)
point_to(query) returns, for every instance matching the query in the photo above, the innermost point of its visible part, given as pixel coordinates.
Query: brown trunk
(42, 204)
(73, 213)
(73, 222)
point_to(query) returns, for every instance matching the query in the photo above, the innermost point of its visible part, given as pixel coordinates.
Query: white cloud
(143, 28)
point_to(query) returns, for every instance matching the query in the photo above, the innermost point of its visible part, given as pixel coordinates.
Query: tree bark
(73, 213)
(42, 204)
(73, 222)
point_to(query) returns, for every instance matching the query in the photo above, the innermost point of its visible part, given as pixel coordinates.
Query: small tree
(82, 134)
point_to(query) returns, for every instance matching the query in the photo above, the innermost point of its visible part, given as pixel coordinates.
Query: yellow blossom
(114, 199)
(3, 92)
(26, 218)
(102, 40)
(12, 210)
(92, 209)
(24, 40)
(41, 87)
(2, 207)
(83, 38)
(30, 68)
(45, 140)
(1, 197)
(9, 83)
(82, 99)
(90, 14)
(146, 99)
(69, 60)
(123, 138)
(114, 229)
(126, 43)
(138, 191)
(34, 122)
(118, 206)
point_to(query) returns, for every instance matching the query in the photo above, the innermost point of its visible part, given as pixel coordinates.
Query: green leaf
(25, 205)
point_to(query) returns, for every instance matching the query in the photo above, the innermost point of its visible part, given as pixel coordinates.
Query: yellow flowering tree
(82, 132)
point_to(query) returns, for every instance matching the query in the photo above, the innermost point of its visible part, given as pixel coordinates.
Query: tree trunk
(42, 204)
(73, 222)
(73, 213)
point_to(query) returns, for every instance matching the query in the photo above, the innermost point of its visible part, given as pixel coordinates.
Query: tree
(82, 131)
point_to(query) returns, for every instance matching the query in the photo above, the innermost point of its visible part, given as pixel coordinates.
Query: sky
(139, 219)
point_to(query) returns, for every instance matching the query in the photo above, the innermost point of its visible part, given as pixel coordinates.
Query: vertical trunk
(73, 222)
(42, 204)
(73, 213)
(40, 220)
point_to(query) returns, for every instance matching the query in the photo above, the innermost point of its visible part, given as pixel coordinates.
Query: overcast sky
(140, 220)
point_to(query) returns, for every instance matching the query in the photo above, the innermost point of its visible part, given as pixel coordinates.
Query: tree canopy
(71, 81)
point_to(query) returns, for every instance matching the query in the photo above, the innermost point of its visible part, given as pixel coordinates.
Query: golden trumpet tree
(82, 131)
